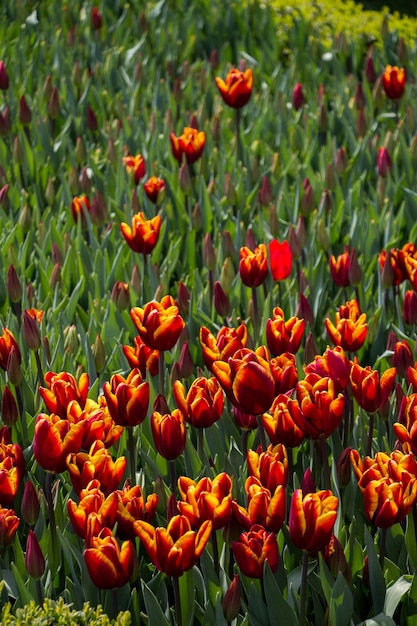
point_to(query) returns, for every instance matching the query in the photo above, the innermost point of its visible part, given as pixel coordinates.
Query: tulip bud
(18, 154)
(209, 253)
(355, 272)
(79, 151)
(14, 287)
(185, 363)
(4, 77)
(31, 331)
(361, 125)
(322, 235)
(384, 163)
(85, 180)
(323, 120)
(403, 358)
(14, 370)
(92, 122)
(99, 354)
(227, 275)
(34, 559)
(77, 74)
(298, 99)
(384, 27)
(53, 104)
(96, 19)
(98, 210)
(295, 246)
(229, 189)
(73, 181)
(410, 307)
(196, 217)
(228, 245)
(221, 301)
(336, 560)
(183, 299)
(9, 410)
(120, 295)
(184, 178)
(50, 192)
(265, 192)
(307, 201)
(232, 600)
(308, 484)
(370, 69)
(344, 468)
(305, 311)
(55, 278)
(300, 231)
(71, 340)
(330, 180)
(360, 100)
(30, 506)
(25, 114)
(250, 239)
(5, 123)
(341, 161)
(387, 272)
(136, 281)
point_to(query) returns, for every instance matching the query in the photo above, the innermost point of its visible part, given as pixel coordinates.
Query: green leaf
(410, 539)
(378, 620)
(341, 602)
(411, 604)
(187, 595)
(376, 577)
(395, 593)
(24, 594)
(153, 608)
(275, 601)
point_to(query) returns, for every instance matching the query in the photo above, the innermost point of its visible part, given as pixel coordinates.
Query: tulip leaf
(257, 610)
(395, 593)
(24, 594)
(376, 576)
(153, 608)
(410, 539)
(187, 595)
(326, 579)
(341, 602)
(378, 620)
(411, 604)
(275, 601)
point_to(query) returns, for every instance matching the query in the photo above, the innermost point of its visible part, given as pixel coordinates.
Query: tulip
(95, 464)
(155, 189)
(245, 371)
(266, 508)
(4, 77)
(409, 308)
(61, 389)
(93, 502)
(175, 549)
(136, 166)
(143, 235)
(9, 409)
(204, 402)
(34, 559)
(298, 98)
(393, 80)
(351, 329)
(254, 548)
(224, 345)
(12, 468)
(232, 600)
(402, 358)
(406, 428)
(269, 467)
(253, 266)
(168, 431)
(245, 421)
(141, 357)
(284, 372)
(280, 259)
(279, 424)
(190, 144)
(9, 523)
(333, 363)
(284, 336)
(95, 18)
(14, 287)
(98, 210)
(132, 507)
(384, 163)
(318, 409)
(369, 389)
(30, 506)
(335, 559)
(80, 205)
(159, 324)
(54, 439)
(127, 398)
(108, 564)
(221, 300)
(206, 500)
(236, 89)
(340, 268)
(311, 519)
(7, 342)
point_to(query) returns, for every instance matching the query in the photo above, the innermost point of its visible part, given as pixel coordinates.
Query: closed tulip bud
(341, 161)
(295, 246)
(360, 100)
(55, 278)
(232, 600)
(361, 124)
(79, 151)
(221, 300)
(120, 295)
(73, 181)
(31, 331)
(330, 180)
(98, 210)
(95, 18)
(85, 180)
(308, 484)
(228, 245)
(305, 311)
(4, 77)
(25, 114)
(323, 119)
(298, 99)
(30, 506)
(185, 363)
(71, 339)
(403, 358)
(77, 74)
(184, 178)
(410, 307)
(227, 275)
(92, 123)
(18, 154)
(209, 253)
(370, 69)
(384, 163)
(344, 468)
(9, 410)
(14, 370)
(183, 299)
(196, 217)
(53, 103)
(5, 123)
(307, 201)
(30, 293)
(34, 559)
(323, 238)
(336, 560)
(50, 192)
(14, 287)
(265, 192)
(99, 354)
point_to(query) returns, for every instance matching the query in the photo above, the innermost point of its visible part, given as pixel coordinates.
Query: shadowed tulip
(204, 402)
(254, 548)
(370, 390)
(168, 431)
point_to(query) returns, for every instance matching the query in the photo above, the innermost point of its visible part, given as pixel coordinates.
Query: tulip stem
(261, 432)
(325, 459)
(177, 599)
(215, 552)
(51, 512)
(172, 476)
(39, 368)
(132, 456)
(114, 602)
(255, 313)
(39, 591)
(382, 546)
(162, 373)
(238, 145)
(303, 590)
(22, 414)
(370, 434)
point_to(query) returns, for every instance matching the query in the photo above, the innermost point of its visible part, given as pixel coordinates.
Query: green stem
(162, 373)
(200, 443)
(325, 459)
(22, 414)
(370, 434)
(115, 602)
(215, 552)
(39, 368)
(261, 432)
(172, 476)
(382, 547)
(303, 590)
(51, 512)
(177, 599)
(39, 592)
(132, 455)
(255, 310)
(238, 144)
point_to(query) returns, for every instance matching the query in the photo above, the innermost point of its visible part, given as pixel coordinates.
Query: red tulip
(9, 523)
(168, 431)
(127, 398)
(236, 89)
(280, 259)
(312, 518)
(284, 336)
(108, 564)
(393, 80)
(253, 266)
(351, 329)
(143, 235)
(154, 189)
(369, 389)
(61, 389)
(190, 144)
(54, 439)
(206, 500)
(204, 402)
(254, 548)
(136, 166)
(159, 324)
(224, 345)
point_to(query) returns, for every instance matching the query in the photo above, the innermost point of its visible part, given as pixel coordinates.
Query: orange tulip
(236, 89)
(254, 548)
(369, 389)
(9, 523)
(108, 564)
(253, 266)
(266, 508)
(318, 409)
(340, 268)
(206, 500)
(142, 357)
(190, 144)
(154, 189)
(159, 324)
(312, 518)
(80, 205)
(95, 464)
(136, 166)
(393, 80)
(204, 402)
(92, 501)
(392, 264)
(279, 424)
(245, 372)
(284, 336)
(54, 439)
(127, 398)
(269, 467)
(224, 345)
(61, 389)
(175, 549)
(168, 431)
(406, 428)
(143, 235)
(284, 372)
(7, 342)
(131, 507)
(99, 423)
(351, 329)
(10, 476)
